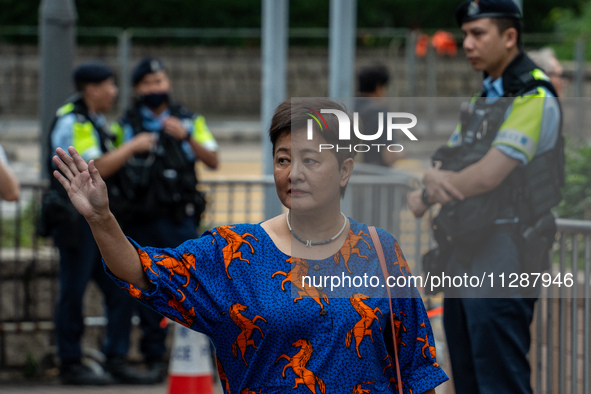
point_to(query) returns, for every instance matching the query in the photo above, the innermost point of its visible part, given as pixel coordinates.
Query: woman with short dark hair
(253, 288)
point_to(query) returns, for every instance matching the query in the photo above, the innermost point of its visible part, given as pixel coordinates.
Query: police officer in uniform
(80, 123)
(496, 180)
(372, 81)
(159, 204)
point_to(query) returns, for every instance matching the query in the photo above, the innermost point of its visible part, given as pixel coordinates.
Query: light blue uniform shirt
(550, 125)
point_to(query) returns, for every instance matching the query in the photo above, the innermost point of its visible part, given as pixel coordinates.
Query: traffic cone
(191, 370)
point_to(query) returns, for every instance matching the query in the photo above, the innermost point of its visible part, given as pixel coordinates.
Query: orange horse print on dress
(362, 327)
(178, 267)
(187, 314)
(235, 241)
(399, 330)
(393, 379)
(298, 271)
(432, 351)
(222, 375)
(133, 291)
(400, 260)
(298, 365)
(249, 391)
(247, 326)
(350, 247)
(146, 262)
(359, 390)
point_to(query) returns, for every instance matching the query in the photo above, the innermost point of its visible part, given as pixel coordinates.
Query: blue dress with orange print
(274, 332)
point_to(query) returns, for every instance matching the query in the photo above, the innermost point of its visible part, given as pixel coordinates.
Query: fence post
(343, 24)
(432, 88)
(123, 54)
(411, 64)
(579, 86)
(274, 59)
(57, 42)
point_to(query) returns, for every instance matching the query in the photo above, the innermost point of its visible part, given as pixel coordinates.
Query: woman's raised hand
(86, 189)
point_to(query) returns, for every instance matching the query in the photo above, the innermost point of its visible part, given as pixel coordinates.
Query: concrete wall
(226, 81)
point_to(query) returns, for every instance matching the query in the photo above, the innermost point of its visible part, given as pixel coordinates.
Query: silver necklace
(310, 243)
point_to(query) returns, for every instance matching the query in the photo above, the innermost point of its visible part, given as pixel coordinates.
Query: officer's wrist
(425, 197)
(188, 136)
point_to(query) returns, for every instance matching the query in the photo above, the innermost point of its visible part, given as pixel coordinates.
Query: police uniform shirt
(531, 126)
(77, 131)
(3, 157)
(196, 126)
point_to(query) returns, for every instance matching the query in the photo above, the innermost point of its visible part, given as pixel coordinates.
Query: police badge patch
(473, 8)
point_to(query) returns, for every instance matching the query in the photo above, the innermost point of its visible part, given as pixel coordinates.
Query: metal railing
(560, 355)
(560, 348)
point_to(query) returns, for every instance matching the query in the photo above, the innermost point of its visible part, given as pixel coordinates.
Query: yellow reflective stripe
(456, 137)
(539, 75)
(201, 132)
(84, 137)
(65, 109)
(521, 129)
(118, 131)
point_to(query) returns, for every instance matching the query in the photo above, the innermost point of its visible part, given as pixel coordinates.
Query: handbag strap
(378, 245)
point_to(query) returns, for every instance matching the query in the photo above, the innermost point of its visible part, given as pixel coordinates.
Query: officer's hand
(143, 142)
(86, 189)
(439, 186)
(174, 127)
(415, 204)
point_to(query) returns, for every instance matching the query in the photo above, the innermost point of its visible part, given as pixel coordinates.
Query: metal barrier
(561, 338)
(560, 355)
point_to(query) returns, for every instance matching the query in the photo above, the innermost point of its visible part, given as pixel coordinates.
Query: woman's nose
(295, 172)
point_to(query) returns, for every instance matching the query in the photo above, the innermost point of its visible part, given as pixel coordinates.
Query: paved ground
(54, 388)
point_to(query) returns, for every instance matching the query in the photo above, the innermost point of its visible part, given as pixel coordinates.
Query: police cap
(475, 9)
(94, 72)
(146, 66)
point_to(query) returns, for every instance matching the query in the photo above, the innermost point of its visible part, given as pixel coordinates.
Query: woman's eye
(309, 161)
(283, 160)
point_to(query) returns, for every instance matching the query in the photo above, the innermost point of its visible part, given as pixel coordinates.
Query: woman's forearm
(9, 187)
(88, 193)
(119, 254)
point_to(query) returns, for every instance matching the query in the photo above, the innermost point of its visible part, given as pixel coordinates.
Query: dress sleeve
(184, 281)
(419, 368)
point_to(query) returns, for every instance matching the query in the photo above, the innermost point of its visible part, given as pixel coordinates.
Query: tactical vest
(527, 194)
(160, 182)
(77, 107)
(57, 212)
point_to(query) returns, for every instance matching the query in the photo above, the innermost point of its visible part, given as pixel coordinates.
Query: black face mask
(154, 100)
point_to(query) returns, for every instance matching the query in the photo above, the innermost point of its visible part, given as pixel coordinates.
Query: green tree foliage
(430, 15)
(19, 12)
(573, 23)
(577, 190)
(169, 13)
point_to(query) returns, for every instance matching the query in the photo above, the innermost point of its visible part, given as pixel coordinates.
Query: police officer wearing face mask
(155, 197)
(496, 180)
(80, 123)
